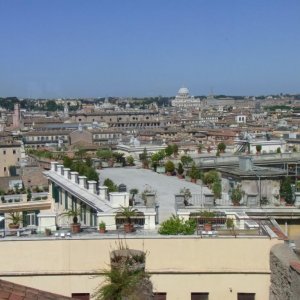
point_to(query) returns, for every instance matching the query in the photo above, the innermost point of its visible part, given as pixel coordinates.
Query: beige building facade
(179, 266)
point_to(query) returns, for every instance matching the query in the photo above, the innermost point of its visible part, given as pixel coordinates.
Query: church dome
(183, 91)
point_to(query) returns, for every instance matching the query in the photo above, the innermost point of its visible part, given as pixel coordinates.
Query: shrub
(217, 189)
(112, 187)
(176, 225)
(180, 169)
(210, 177)
(170, 167)
(221, 147)
(286, 191)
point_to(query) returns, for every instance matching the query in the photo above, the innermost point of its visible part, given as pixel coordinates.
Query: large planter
(13, 226)
(160, 169)
(128, 227)
(102, 230)
(130, 259)
(207, 227)
(75, 227)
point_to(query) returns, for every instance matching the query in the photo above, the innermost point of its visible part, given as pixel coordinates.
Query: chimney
(82, 181)
(74, 177)
(53, 165)
(60, 170)
(66, 173)
(245, 163)
(92, 186)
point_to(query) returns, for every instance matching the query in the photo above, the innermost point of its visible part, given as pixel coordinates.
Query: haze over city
(148, 48)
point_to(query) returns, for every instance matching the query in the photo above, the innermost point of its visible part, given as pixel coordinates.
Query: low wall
(178, 265)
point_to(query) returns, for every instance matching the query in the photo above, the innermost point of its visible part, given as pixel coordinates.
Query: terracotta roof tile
(13, 291)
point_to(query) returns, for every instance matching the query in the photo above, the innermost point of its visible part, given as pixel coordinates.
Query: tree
(67, 162)
(133, 192)
(186, 160)
(91, 174)
(217, 189)
(175, 149)
(221, 147)
(104, 153)
(258, 148)
(210, 177)
(130, 160)
(170, 167)
(278, 150)
(169, 150)
(111, 186)
(286, 191)
(194, 173)
(180, 169)
(51, 105)
(236, 195)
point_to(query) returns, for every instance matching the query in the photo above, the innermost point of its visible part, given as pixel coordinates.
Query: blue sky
(96, 48)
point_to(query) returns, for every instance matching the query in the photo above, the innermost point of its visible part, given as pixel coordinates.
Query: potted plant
(47, 231)
(194, 173)
(207, 217)
(236, 196)
(186, 195)
(133, 192)
(169, 166)
(180, 171)
(128, 213)
(258, 149)
(102, 227)
(16, 219)
(74, 214)
(229, 223)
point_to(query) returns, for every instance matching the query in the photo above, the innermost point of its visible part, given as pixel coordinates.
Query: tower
(16, 116)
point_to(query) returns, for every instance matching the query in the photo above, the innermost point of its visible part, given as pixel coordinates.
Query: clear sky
(97, 48)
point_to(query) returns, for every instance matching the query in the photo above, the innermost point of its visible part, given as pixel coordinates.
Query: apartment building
(10, 155)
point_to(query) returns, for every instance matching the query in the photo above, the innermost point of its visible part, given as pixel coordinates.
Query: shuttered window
(160, 296)
(246, 296)
(199, 296)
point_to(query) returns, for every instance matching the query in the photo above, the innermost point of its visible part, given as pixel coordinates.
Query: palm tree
(128, 212)
(74, 214)
(15, 218)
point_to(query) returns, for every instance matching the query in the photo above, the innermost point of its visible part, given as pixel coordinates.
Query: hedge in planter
(176, 225)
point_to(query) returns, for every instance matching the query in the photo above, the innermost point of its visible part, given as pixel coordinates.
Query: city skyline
(54, 49)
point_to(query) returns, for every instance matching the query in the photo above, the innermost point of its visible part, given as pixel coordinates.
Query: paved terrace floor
(165, 186)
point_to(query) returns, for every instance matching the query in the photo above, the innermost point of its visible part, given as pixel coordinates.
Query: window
(30, 218)
(246, 296)
(14, 151)
(199, 296)
(4, 152)
(160, 296)
(81, 296)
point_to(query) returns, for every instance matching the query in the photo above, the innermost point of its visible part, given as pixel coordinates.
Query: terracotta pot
(169, 173)
(194, 180)
(13, 226)
(207, 227)
(102, 230)
(75, 228)
(180, 176)
(128, 227)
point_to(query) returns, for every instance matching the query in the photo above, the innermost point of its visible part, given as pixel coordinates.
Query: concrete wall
(222, 267)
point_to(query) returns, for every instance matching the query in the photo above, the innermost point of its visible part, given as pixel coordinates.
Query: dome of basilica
(183, 91)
